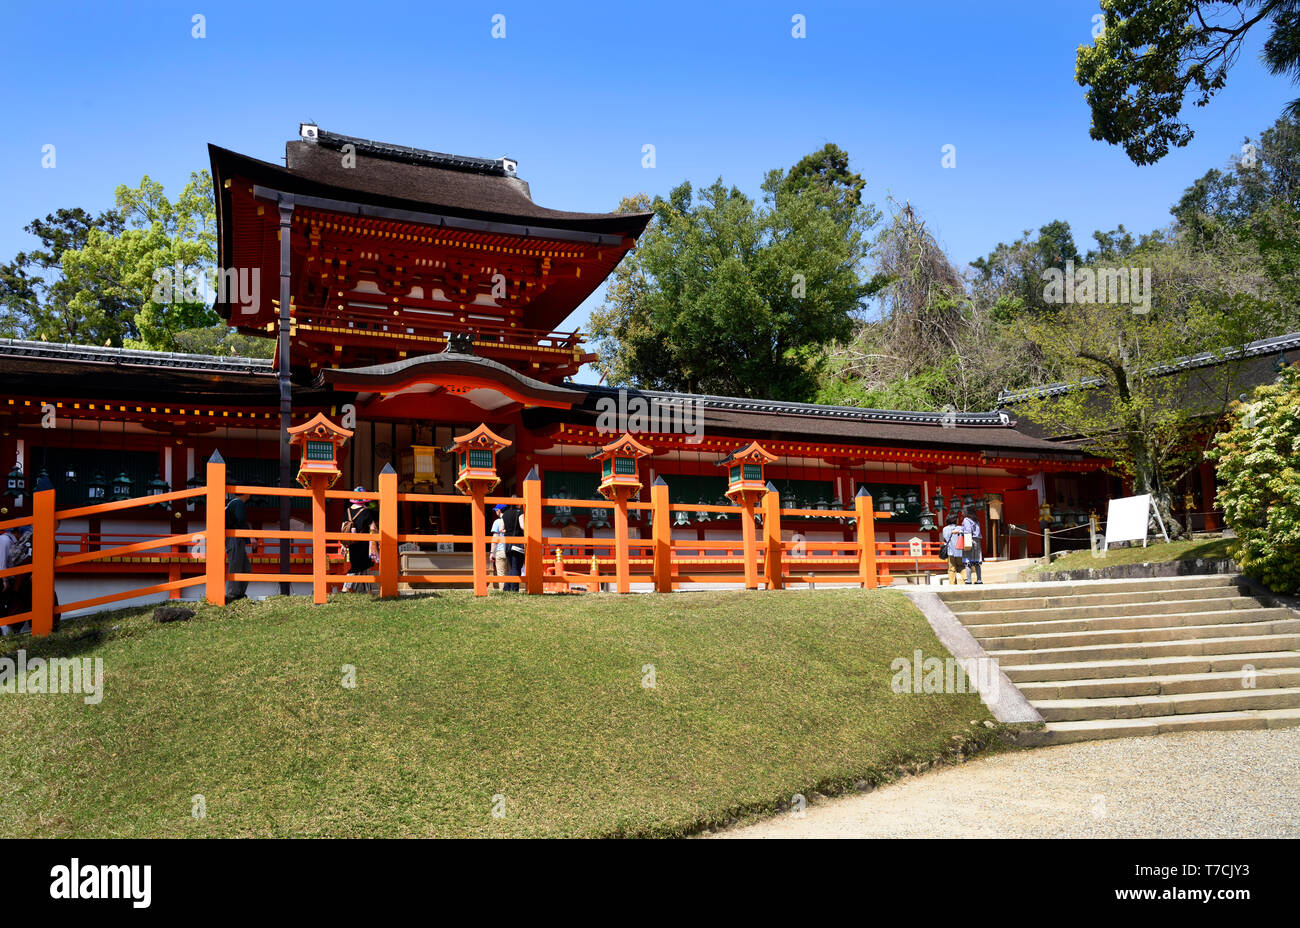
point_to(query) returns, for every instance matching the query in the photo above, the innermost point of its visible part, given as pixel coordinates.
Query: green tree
(1153, 54)
(1258, 465)
(135, 275)
(1010, 278)
(730, 296)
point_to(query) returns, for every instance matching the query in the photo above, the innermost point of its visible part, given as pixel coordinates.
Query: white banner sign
(1127, 519)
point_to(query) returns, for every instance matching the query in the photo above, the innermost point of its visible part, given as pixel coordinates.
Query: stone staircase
(1110, 658)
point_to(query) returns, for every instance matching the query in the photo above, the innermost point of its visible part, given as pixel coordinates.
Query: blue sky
(575, 90)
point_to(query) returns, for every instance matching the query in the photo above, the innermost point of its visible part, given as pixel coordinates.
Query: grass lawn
(458, 700)
(1151, 554)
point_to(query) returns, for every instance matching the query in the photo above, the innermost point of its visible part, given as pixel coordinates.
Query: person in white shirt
(952, 539)
(497, 551)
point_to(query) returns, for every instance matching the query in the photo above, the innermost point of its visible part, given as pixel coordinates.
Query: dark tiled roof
(985, 431)
(403, 153)
(128, 357)
(1264, 346)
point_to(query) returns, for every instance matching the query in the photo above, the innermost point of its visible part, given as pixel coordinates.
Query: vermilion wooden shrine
(426, 298)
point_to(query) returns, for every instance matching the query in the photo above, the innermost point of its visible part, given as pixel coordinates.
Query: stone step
(1146, 668)
(1096, 729)
(1087, 587)
(1147, 649)
(1133, 707)
(976, 606)
(1276, 622)
(1168, 684)
(1006, 629)
(1109, 610)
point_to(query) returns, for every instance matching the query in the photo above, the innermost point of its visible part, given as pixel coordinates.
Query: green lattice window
(480, 457)
(753, 472)
(625, 466)
(320, 451)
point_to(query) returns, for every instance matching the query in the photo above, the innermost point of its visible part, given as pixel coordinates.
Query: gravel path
(1206, 784)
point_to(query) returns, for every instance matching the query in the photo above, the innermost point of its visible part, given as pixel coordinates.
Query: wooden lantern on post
(319, 440)
(619, 481)
(476, 474)
(746, 485)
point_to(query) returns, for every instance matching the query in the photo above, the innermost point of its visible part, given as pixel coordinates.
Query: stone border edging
(1010, 705)
(1147, 569)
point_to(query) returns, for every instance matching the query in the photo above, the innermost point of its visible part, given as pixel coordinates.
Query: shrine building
(427, 296)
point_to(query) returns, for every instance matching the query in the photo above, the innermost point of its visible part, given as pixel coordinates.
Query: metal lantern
(822, 505)
(599, 519)
(681, 519)
(838, 503)
(563, 514)
(927, 520)
(122, 486)
(157, 487)
(886, 502)
(194, 483)
(16, 481)
(913, 498)
(937, 503)
(723, 501)
(97, 489)
(702, 515)
(954, 504)
(900, 503)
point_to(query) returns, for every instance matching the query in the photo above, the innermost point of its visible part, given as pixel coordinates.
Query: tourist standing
(497, 550)
(952, 546)
(237, 561)
(360, 521)
(972, 554)
(514, 551)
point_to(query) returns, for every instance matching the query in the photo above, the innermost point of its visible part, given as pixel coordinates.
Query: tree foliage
(1258, 463)
(1152, 55)
(95, 279)
(731, 296)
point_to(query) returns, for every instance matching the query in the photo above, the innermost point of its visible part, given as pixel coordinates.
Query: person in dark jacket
(361, 521)
(237, 561)
(514, 551)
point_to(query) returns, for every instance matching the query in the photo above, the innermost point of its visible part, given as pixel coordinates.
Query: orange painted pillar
(214, 540)
(622, 569)
(663, 536)
(773, 569)
(866, 513)
(320, 555)
(388, 532)
(751, 541)
(43, 553)
(533, 532)
(478, 540)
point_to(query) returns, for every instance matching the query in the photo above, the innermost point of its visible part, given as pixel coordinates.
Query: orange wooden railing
(759, 557)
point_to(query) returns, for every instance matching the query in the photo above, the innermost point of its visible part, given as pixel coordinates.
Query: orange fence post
(478, 539)
(622, 568)
(533, 531)
(320, 555)
(43, 550)
(866, 513)
(773, 569)
(663, 536)
(751, 542)
(388, 532)
(214, 539)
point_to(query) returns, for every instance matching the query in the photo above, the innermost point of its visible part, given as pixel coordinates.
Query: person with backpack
(952, 549)
(972, 556)
(360, 520)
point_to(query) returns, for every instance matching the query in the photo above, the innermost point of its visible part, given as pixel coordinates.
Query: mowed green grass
(459, 701)
(1153, 553)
